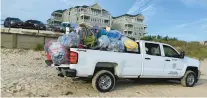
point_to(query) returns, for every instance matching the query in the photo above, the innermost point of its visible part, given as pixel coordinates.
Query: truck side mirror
(182, 54)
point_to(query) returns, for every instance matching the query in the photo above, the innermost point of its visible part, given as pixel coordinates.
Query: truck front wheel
(103, 81)
(189, 79)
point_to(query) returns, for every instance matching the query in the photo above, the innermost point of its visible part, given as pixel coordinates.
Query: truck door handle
(147, 58)
(167, 60)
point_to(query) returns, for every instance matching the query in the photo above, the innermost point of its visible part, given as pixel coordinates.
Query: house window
(130, 32)
(106, 21)
(125, 32)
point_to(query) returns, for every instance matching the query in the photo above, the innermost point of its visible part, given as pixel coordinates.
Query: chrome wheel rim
(190, 79)
(104, 82)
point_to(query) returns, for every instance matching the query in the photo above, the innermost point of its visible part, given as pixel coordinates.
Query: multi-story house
(130, 25)
(56, 17)
(93, 15)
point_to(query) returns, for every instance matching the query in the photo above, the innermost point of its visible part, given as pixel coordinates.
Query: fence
(26, 39)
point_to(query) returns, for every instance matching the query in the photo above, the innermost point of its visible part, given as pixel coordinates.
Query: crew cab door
(173, 62)
(153, 62)
(132, 63)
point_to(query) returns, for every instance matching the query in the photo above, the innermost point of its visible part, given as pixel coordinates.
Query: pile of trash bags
(88, 37)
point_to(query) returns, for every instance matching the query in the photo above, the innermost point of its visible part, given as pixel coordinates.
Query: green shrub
(39, 47)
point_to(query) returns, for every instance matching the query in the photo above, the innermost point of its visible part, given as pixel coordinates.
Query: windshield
(37, 22)
(15, 19)
(65, 25)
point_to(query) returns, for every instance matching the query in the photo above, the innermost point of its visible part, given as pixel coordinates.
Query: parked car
(58, 28)
(151, 60)
(13, 22)
(34, 24)
(62, 27)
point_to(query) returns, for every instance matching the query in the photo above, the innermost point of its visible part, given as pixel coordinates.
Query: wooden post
(14, 40)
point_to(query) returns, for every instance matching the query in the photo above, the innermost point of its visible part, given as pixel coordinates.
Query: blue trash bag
(121, 46)
(114, 34)
(101, 32)
(116, 46)
(58, 53)
(103, 41)
(73, 25)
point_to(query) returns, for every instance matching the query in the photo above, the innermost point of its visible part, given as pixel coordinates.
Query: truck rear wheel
(103, 81)
(189, 79)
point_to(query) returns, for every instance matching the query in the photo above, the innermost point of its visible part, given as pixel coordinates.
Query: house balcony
(57, 19)
(89, 13)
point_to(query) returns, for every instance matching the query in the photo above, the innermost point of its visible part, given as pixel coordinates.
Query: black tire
(97, 80)
(184, 80)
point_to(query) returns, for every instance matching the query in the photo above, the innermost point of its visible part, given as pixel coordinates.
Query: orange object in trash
(48, 56)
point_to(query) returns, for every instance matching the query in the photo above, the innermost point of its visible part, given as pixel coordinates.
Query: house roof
(60, 11)
(84, 6)
(127, 15)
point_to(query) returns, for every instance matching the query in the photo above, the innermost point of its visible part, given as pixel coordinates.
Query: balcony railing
(89, 13)
(93, 22)
(132, 21)
(58, 18)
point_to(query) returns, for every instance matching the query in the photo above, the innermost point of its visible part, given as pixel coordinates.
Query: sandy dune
(24, 73)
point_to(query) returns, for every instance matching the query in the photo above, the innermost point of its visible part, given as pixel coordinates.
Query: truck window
(170, 52)
(137, 51)
(152, 49)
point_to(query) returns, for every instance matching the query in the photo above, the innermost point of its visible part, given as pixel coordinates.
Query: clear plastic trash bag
(47, 45)
(58, 53)
(70, 40)
(116, 46)
(103, 41)
(60, 39)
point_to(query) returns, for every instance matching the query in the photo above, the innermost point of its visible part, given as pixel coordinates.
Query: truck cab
(150, 60)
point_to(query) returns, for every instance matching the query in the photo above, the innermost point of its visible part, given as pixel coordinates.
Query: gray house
(56, 17)
(130, 25)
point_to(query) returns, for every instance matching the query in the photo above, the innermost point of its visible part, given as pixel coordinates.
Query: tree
(159, 37)
(165, 38)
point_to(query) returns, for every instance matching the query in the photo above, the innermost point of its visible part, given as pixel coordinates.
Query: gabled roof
(96, 6)
(60, 11)
(84, 6)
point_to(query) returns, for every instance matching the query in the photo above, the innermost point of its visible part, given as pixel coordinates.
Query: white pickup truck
(151, 60)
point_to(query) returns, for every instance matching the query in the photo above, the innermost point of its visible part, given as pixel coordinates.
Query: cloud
(145, 7)
(195, 30)
(197, 22)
